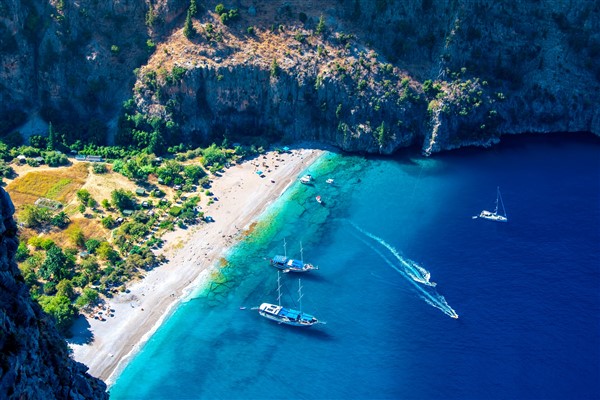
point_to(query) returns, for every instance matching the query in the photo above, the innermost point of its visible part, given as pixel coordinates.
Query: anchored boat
(495, 216)
(306, 179)
(285, 315)
(286, 264)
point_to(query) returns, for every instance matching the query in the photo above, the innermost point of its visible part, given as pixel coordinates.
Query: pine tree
(188, 30)
(193, 8)
(51, 138)
(321, 25)
(274, 68)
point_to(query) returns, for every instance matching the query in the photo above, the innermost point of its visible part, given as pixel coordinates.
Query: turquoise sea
(399, 256)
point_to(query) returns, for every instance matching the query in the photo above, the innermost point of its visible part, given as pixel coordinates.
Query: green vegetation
(320, 26)
(226, 16)
(275, 68)
(188, 28)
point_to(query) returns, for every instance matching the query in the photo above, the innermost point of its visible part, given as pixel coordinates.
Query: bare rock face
(34, 359)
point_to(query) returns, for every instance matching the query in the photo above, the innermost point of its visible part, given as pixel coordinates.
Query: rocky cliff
(363, 75)
(34, 359)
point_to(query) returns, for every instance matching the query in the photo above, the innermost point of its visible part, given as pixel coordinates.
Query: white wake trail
(414, 270)
(427, 292)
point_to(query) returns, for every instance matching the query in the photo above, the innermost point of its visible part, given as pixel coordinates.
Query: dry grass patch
(60, 185)
(92, 228)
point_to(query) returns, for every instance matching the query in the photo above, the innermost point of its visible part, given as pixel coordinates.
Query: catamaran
(284, 315)
(495, 216)
(289, 264)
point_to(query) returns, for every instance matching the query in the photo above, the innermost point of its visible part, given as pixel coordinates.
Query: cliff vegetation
(369, 76)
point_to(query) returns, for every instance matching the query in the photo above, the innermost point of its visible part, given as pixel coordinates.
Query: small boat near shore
(286, 264)
(318, 198)
(285, 315)
(329, 181)
(306, 179)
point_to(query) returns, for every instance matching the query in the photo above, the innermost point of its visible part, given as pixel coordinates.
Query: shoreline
(105, 347)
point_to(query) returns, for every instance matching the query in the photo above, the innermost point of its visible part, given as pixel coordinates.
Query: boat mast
(301, 254)
(278, 289)
(497, 196)
(284, 248)
(502, 202)
(300, 295)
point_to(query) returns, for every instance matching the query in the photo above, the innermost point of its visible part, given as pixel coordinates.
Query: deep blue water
(527, 292)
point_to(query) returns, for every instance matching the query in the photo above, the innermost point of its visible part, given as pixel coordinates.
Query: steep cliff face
(34, 359)
(69, 62)
(360, 83)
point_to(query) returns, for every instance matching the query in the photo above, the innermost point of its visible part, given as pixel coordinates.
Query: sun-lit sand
(105, 346)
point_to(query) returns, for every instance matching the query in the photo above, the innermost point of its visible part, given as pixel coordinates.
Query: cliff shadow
(81, 332)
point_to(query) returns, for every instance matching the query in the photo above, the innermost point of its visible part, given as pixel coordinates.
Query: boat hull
(286, 316)
(492, 216)
(291, 265)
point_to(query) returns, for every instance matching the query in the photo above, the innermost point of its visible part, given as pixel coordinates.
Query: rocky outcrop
(34, 359)
(497, 67)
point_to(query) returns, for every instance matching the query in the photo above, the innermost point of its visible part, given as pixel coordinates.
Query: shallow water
(526, 292)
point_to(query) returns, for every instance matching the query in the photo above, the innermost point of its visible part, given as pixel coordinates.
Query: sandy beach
(105, 346)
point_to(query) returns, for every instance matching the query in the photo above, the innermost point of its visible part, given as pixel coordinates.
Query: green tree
(33, 216)
(321, 26)
(89, 297)
(52, 140)
(193, 8)
(274, 68)
(106, 252)
(65, 288)
(123, 199)
(382, 134)
(99, 168)
(169, 171)
(108, 222)
(22, 252)
(193, 172)
(92, 244)
(188, 29)
(60, 220)
(83, 195)
(56, 266)
(213, 155)
(38, 141)
(60, 308)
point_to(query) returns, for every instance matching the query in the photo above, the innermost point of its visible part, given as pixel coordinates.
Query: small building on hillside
(140, 192)
(127, 213)
(21, 158)
(94, 158)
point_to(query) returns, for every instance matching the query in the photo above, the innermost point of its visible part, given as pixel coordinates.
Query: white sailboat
(495, 216)
(285, 315)
(291, 265)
